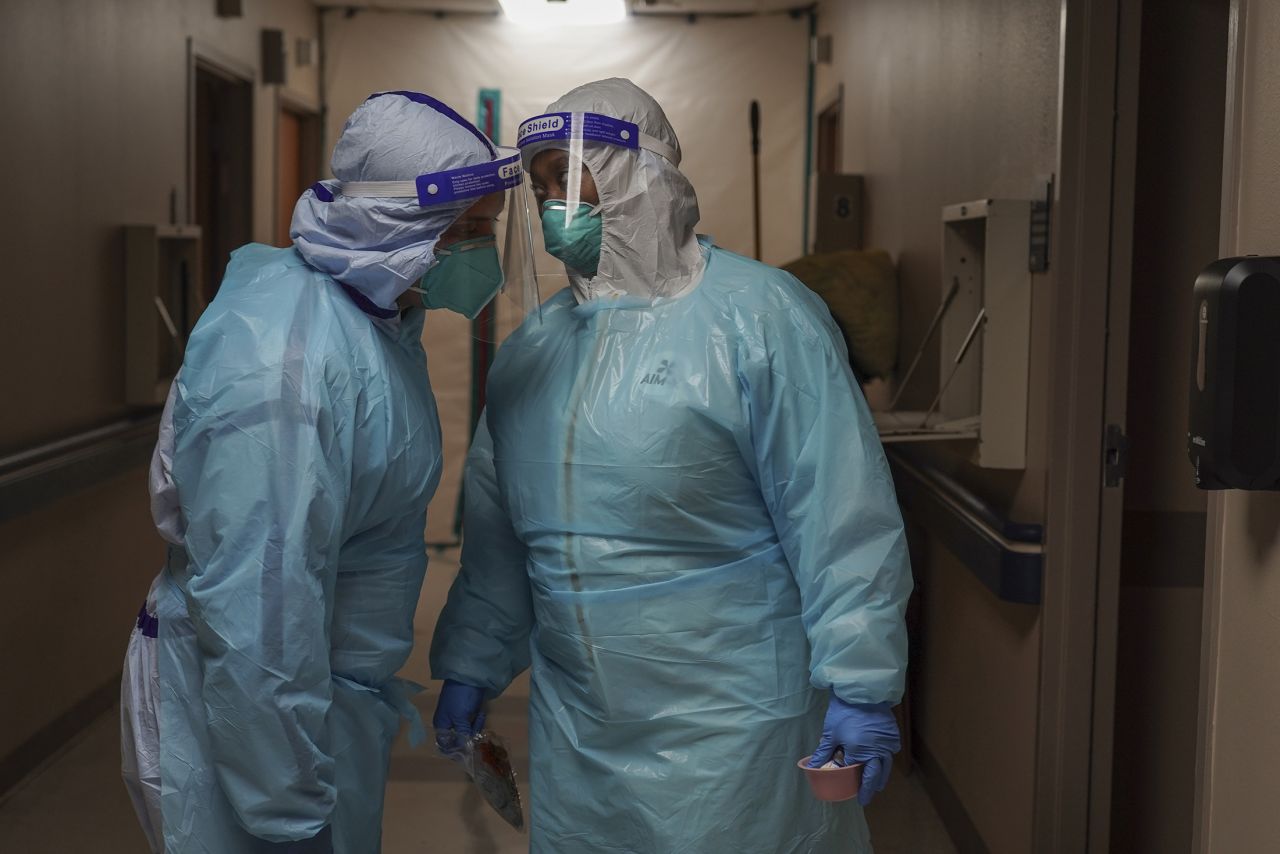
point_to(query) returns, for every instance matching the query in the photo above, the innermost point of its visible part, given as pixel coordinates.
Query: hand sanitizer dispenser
(1233, 437)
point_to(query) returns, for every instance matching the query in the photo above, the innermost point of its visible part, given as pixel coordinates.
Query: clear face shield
(571, 224)
(486, 254)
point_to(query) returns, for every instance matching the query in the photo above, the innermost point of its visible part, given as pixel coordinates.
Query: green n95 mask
(465, 278)
(576, 244)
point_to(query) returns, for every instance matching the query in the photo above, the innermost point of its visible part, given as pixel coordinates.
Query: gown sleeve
(262, 469)
(482, 637)
(825, 480)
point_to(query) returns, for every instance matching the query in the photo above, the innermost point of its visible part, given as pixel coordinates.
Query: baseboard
(964, 834)
(33, 752)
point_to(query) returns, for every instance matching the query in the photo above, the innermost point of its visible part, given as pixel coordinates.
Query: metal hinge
(1115, 455)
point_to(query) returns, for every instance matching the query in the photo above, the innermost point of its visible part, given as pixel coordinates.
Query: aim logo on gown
(659, 376)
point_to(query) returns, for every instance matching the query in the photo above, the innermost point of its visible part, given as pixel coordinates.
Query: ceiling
(639, 7)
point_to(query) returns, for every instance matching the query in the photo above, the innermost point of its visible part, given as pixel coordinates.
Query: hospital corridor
(640, 427)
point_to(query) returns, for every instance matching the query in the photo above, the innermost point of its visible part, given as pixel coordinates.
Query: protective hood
(379, 247)
(648, 207)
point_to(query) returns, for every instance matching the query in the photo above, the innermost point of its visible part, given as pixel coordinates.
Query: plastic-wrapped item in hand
(485, 759)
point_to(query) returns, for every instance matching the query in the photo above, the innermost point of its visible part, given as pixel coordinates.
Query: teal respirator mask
(574, 240)
(467, 275)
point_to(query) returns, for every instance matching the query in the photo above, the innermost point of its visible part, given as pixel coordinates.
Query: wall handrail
(1006, 556)
(38, 476)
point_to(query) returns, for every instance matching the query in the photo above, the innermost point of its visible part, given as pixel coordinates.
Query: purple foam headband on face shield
(437, 188)
(592, 127)
(469, 181)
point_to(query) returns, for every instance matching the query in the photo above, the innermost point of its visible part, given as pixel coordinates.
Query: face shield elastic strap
(595, 127)
(438, 188)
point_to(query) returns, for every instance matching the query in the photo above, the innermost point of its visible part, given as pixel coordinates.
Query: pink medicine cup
(832, 782)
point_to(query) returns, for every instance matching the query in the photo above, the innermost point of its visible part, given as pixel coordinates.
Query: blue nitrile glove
(459, 710)
(867, 734)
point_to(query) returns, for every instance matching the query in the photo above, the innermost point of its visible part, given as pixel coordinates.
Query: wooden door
(223, 177)
(289, 184)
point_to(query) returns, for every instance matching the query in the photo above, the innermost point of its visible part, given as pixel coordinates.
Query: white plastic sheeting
(704, 74)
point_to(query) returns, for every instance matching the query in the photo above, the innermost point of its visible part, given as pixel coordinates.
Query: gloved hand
(867, 734)
(460, 711)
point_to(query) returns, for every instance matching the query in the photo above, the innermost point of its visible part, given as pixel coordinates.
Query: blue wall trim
(960, 520)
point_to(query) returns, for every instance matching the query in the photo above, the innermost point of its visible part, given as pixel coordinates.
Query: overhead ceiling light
(564, 13)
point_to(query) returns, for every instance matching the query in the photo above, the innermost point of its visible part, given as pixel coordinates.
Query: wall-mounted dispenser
(163, 303)
(1233, 435)
(983, 324)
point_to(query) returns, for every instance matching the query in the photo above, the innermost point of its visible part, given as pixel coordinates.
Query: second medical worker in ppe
(678, 511)
(298, 451)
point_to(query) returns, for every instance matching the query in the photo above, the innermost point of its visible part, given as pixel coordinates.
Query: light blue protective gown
(307, 445)
(681, 514)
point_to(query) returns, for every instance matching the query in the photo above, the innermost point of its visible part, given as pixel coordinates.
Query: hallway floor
(77, 803)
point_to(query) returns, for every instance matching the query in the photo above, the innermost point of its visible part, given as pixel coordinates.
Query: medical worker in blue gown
(679, 513)
(298, 451)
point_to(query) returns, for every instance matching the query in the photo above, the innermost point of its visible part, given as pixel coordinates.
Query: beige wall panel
(74, 575)
(1245, 737)
(981, 657)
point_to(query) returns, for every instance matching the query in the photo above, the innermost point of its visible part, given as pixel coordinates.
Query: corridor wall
(95, 96)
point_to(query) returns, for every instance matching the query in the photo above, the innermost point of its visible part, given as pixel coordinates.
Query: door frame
(833, 102)
(1091, 268)
(1228, 233)
(1115, 412)
(309, 111)
(209, 58)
